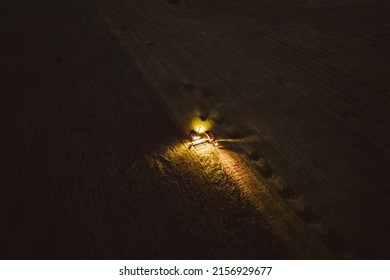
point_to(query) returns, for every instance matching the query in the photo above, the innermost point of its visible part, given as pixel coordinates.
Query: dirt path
(76, 114)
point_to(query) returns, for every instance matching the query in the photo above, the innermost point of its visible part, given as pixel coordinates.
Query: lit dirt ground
(97, 98)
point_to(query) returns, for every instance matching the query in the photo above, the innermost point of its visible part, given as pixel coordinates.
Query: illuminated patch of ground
(227, 172)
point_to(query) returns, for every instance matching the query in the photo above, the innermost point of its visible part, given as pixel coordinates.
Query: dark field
(97, 97)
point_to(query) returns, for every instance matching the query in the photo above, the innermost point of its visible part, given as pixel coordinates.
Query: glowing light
(200, 125)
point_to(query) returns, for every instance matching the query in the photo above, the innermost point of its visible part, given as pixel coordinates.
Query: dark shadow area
(307, 214)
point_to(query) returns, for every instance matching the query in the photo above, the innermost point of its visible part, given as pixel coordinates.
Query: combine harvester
(198, 138)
